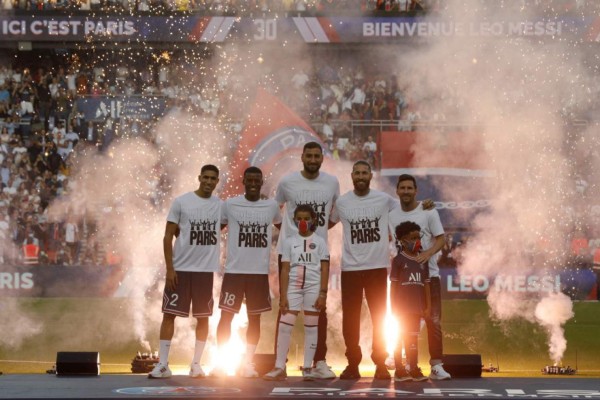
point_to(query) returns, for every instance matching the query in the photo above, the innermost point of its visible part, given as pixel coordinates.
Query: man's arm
(426, 254)
(171, 231)
(322, 299)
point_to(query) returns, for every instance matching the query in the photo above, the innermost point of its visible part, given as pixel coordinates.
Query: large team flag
(272, 140)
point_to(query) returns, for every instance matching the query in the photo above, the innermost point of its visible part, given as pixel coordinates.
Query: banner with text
(216, 29)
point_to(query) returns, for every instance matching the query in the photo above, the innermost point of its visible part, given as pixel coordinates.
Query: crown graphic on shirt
(253, 227)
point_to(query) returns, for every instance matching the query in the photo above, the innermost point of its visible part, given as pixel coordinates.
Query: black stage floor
(133, 386)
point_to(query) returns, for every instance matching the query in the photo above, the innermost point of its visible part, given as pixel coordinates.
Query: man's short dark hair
(209, 167)
(406, 177)
(312, 145)
(405, 228)
(252, 170)
(362, 162)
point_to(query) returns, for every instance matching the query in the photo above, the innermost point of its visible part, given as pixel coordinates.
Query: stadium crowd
(305, 7)
(229, 7)
(41, 126)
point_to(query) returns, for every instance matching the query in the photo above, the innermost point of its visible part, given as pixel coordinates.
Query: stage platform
(138, 386)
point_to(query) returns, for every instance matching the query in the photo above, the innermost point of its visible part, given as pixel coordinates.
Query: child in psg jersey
(304, 280)
(409, 297)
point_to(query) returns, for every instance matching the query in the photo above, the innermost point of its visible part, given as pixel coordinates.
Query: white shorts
(303, 299)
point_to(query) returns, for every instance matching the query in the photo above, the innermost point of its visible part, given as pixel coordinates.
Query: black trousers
(434, 323)
(373, 284)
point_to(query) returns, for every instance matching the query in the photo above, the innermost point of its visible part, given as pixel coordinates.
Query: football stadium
(229, 133)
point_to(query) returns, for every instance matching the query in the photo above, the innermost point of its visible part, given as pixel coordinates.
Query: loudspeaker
(264, 363)
(77, 363)
(463, 365)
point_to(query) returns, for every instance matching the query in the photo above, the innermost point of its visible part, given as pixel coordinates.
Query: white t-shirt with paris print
(320, 193)
(365, 225)
(250, 233)
(197, 248)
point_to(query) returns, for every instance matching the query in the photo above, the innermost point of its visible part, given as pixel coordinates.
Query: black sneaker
(381, 372)
(416, 374)
(350, 372)
(401, 375)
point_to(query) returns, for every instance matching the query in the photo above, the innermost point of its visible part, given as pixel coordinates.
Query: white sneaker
(160, 371)
(277, 374)
(307, 374)
(248, 370)
(438, 373)
(322, 371)
(196, 371)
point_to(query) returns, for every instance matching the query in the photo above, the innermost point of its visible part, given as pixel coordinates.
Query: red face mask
(304, 227)
(413, 245)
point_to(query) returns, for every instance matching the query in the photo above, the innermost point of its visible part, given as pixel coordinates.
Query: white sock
(286, 325)
(163, 351)
(198, 349)
(250, 350)
(310, 339)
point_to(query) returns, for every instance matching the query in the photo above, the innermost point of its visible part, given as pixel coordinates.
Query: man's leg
(247, 367)
(201, 336)
(376, 295)
(434, 332)
(224, 328)
(278, 312)
(167, 329)
(434, 324)
(321, 351)
(352, 294)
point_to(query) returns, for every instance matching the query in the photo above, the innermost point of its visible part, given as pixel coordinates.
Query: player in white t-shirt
(304, 278)
(250, 221)
(194, 221)
(319, 190)
(432, 241)
(365, 257)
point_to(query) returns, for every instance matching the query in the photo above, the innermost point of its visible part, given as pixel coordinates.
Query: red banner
(272, 136)
(433, 153)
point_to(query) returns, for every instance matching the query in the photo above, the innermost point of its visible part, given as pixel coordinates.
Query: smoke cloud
(516, 91)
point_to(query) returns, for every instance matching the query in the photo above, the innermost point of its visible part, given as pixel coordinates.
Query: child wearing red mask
(304, 280)
(409, 297)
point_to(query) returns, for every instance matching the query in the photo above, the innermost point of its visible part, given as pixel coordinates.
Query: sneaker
(248, 371)
(160, 371)
(322, 371)
(307, 374)
(438, 373)
(218, 372)
(401, 375)
(381, 372)
(350, 372)
(416, 374)
(277, 374)
(196, 371)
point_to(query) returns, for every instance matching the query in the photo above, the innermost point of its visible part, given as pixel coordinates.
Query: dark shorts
(195, 288)
(255, 287)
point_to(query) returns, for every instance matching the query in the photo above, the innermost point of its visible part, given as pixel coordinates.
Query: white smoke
(21, 322)
(515, 92)
(552, 312)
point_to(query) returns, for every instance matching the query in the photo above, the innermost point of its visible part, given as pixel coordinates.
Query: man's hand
(171, 281)
(423, 257)
(284, 305)
(428, 204)
(321, 302)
